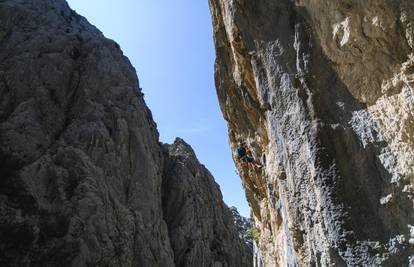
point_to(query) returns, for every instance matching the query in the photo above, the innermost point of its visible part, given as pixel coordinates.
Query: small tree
(255, 233)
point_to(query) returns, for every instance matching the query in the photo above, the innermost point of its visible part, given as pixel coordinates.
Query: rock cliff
(200, 225)
(81, 169)
(322, 92)
(243, 227)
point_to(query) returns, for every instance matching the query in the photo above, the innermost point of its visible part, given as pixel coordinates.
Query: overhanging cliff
(322, 92)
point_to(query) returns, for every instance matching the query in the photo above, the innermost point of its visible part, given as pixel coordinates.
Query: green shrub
(255, 233)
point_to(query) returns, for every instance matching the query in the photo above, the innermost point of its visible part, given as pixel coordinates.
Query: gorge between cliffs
(321, 92)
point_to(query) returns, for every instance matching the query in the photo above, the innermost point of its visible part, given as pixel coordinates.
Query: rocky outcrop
(81, 167)
(243, 227)
(322, 92)
(200, 225)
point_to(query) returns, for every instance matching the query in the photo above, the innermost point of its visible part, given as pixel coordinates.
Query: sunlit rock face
(81, 167)
(322, 92)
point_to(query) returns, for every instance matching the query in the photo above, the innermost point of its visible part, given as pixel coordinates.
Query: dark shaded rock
(81, 166)
(243, 227)
(79, 184)
(200, 225)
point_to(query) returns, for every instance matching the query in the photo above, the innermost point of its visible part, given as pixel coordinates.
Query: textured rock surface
(243, 226)
(81, 167)
(200, 225)
(322, 91)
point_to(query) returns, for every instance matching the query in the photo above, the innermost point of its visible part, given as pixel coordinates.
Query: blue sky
(170, 43)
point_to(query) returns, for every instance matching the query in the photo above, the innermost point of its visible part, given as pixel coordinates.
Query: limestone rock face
(322, 92)
(81, 167)
(200, 225)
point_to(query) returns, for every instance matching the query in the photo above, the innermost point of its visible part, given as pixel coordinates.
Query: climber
(246, 155)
